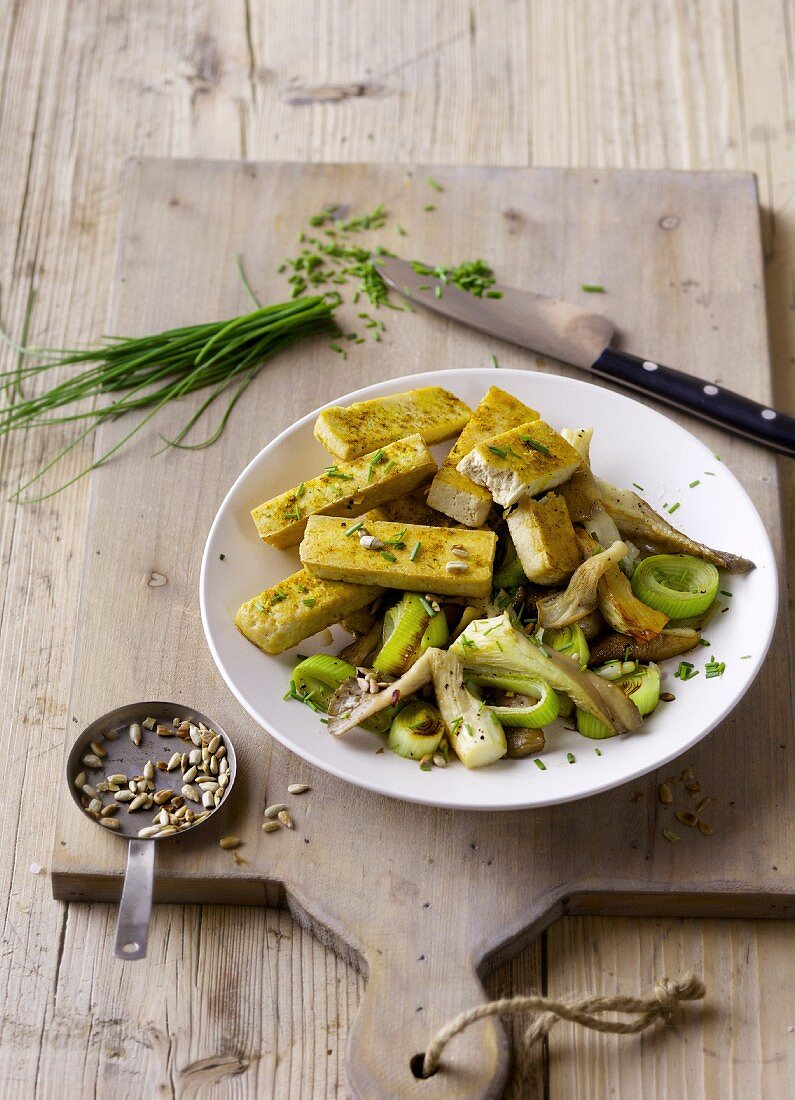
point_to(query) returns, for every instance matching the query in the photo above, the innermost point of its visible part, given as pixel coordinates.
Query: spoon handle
(132, 930)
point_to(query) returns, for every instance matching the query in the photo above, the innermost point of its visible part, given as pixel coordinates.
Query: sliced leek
(405, 624)
(437, 632)
(416, 731)
(679, 585)
(641, 686)
(316, 679)
(534, 703)
(569, 640)
(510, 573)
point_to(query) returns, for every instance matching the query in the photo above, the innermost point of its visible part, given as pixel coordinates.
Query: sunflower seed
(168, 831)
(665, 794)
(124, 796)
(223, 767)
(457, 567)
(207, 800)
(426, 761)
(163, 817)
(162, 796)
(190, 774)
(439, 760)
(164, 731)
(270, 826)
(704, 829)
(206, 736)
(459, 551)
(227, 842)
(684, 817)
(88, 790)
(672, 837)
(184, 726)
(275, 809)
(98, 750)
(704, 802)
(215, 744)
(190, 792)
(137, 803)
(173, 762)
(104, 786)
(118, 778)
(92, 761)
(133, 786)
(195, 736)
(111, 735)
(149, 770)
(95, 805)
(149, 723)
(221, 751)
(667, 697)
(150, 830)
(80, 780)
(135, 733)
(223, 780)
(183, 811)
(109, 823)
(298, 788)
(195, 756)
(370, 542)
(111, 808)
(142, 786)
(219, 794)
(285, 819)
(213, 765)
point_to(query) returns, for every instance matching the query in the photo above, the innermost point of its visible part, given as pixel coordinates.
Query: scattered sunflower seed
(111, 735)
(270, 826)
(275, 809)
(285, 819)
(137, 803)
(149, 770)
(298, 788)
(98, 750)
(190, 774)
(109, 823)
(124, 796)
(227, 842)
(704, 829)
(95, 806)
(108, 810)
(672, 837)
(162, 796)
(80, 780)
(88, 790)
(91, 761)
(149, 723)
(117, 777)
(168, 831)
(685, 817)
(190, 792)
(439, 760)
(150, 830)
(457, 567)
(135, 733)
(665, 794)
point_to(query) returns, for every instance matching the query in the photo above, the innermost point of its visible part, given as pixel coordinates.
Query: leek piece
(476, 735)
(641, 686)
(510, 573)
(529, 715)
(679, 585)
(569, 640)
(416, 731)
(469, 616)
(437, 632)
(405, 624)
(316, 679)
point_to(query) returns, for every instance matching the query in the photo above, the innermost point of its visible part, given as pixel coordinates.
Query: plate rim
(438, 377)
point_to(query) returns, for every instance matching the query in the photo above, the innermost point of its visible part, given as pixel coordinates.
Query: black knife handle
(714, 403)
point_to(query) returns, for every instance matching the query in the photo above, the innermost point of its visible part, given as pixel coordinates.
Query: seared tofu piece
(453, 493)
(410, 508)
(347, 432)
(454, 562)
(299, 607)
(345, 489)
(544, 537)
(526, 460)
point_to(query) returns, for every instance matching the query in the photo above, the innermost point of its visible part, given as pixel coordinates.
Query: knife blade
(571, 334)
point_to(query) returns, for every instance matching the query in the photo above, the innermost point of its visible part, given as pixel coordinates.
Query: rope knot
(669, 992)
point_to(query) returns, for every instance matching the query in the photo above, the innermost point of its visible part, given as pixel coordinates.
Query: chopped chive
(424, 286)
(598, 752)
(746, 657)
(332, 471)
(710, 473)
(703, 641)
(278, 595)
(426, 606)
(438, 291)
(494, 294)
(540, 764)
(222, 557)
(693, 484)
(673, 508)
(592, 288)
(535, 445)
(299, 492)
(456, 723)
(356, 527)
(723, 592)
(260, 606)
(434, 184)
(339, 350)
(389, 557)
(638, 487)
(500, 451)
(309, 601)
(429, 208)
(399, 229)
(570, 757)
(294, 514)
(389, 466)
(494, 362)
(414, 551)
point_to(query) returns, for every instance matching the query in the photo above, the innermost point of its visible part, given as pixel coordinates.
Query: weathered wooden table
(257, 1007)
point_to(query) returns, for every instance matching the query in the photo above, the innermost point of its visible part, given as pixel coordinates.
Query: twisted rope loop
(584, 1011)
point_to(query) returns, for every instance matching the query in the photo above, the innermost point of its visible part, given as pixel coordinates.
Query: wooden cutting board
(424, 900)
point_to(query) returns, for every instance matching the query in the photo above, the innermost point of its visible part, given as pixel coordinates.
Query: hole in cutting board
(416, 1067)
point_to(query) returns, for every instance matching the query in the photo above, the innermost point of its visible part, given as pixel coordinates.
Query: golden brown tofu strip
(282, 616)
(345, 489)
(448, 561)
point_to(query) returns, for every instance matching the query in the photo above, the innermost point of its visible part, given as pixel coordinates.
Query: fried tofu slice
(345, 489)
(299, 607)
(449, 561)
(526, 460)
(544, 537)
(347, 432)
(410, 508)
(452, 492)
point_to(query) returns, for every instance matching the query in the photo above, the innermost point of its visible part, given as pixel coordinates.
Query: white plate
(631, 444)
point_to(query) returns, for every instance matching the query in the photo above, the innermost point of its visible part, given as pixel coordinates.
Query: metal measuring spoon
(125, 758)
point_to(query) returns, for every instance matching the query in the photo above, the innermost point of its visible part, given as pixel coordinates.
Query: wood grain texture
(652, 85)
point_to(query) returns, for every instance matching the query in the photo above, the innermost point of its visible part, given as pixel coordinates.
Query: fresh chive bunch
(151, 371)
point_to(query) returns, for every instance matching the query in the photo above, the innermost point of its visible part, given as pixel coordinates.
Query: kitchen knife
(575, 335)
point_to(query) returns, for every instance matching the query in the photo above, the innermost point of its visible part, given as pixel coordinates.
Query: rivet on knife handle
(711, 402)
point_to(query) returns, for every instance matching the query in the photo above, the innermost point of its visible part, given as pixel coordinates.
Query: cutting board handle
(410, 994)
